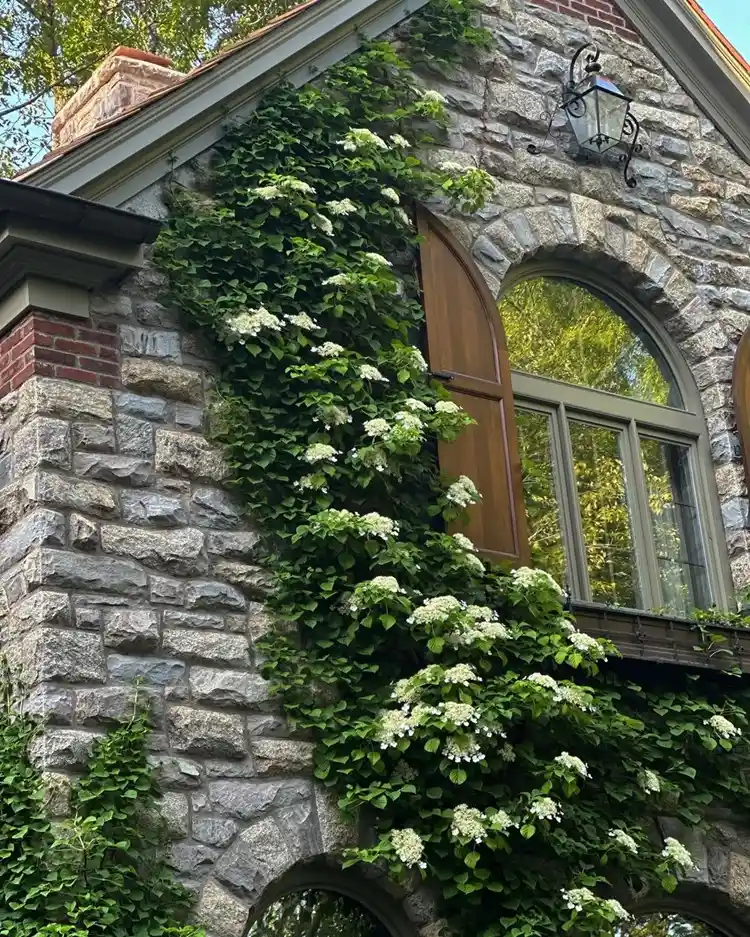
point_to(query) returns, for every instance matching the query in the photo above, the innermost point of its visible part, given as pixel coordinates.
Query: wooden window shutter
(466, 346)
(741, 394)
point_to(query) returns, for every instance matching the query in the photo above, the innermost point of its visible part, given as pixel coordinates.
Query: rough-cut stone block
(120, 469)
(87, 497)
(175, 773)
(151, 670)
(212, 647)
(166, 591)
(257, 857)
(337, 831)
(64, 399)
(253, 580)
(177, 551)
(221, 912)
(50, 703)
(228, 688)
(188, 416)
(213, 595)
(40, 528)
(42, 442)
(211, 507)
(175, 811)
(55, 654)
(299, 826)
(215, 831)
(249, 800)
(110, 705)
(188, 456)
(93, 437)
(153, 508)
(162, 380)
(41, 607)
(148, 408)
(176, 619)
(197, 732)
(134, 436)
(259, 622)
(282, 756)
(83, 534)
(150, 343)
(47, 567)
(61, 748)
(132, 630)
(240, 545)
(192, 859)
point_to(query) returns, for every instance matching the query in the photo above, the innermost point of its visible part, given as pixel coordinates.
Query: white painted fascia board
(121, 162)
(679, 41)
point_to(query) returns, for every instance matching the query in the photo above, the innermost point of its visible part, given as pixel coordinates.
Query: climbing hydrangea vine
(492, 746)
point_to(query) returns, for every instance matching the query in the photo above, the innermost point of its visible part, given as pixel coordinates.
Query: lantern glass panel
(597, 114)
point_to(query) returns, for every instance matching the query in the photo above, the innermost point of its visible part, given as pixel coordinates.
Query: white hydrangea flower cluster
(461, 674)
(369, 372)
(397, 140)
(723, 727)
(283, 186)
(394, 724)
(332, 415)
(377, 427)
(343, 206)
(377, 259)
(460, 714)
(403, 216)
(408, 846)
(391, 194)
(581, 899)
(328, 350)
(585, 643)
(573, 763)
(302, 321)
(649, 781)
(322, 223)
(451, 166)
(463, 492)
(447, 406)
(378, 526)
(370, 457)
(406, 690)
(501, 821)
(341, 279)
(676, 853)
(474, 563)
(316, 482)
(249, 322)
(562, 693)
(543, 679)
(463, 748)
(527, 578)
(432, 104)
(320, 452)
(361, 138)
(416, 359)
(434, 96)
(625, 840)
(435, 611)
(468, 824)
(617, 909)
(415, 406)
(372, 524)
(377, 589)
(464, 542)
(545, 808)
(483, 624)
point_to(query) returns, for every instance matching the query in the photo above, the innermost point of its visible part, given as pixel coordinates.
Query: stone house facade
(122, 554)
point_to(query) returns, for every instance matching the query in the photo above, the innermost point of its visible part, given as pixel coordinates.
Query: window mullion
(570, 510)
(637, 493)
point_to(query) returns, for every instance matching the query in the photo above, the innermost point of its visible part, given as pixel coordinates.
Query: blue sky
(731, 16)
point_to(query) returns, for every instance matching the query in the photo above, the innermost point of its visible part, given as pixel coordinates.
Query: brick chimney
(124, 79)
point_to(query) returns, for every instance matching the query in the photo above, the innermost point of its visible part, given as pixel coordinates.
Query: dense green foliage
(99, 871)
(489, 742)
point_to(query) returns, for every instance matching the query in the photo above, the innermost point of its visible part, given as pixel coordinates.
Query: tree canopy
(48, 48)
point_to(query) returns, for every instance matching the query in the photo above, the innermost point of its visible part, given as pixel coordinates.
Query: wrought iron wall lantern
(597, 111)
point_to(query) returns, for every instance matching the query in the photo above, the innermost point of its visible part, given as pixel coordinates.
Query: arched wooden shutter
(741, 394)
(466, 347)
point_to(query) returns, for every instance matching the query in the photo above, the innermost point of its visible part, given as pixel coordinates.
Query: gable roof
(126, 154)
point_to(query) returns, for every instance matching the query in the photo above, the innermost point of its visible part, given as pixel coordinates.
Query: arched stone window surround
(711, 906)
(503, 240)
(621, 299)
(377, 895)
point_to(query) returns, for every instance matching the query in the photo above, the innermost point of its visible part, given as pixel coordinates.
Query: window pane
(316, 913)
(674, 521)
(558, 329)
(605, 517)
(665, 925)
(540, 495)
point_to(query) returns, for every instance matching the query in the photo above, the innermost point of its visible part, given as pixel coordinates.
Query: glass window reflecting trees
(316, 912)
(617, 506)
(665, 925)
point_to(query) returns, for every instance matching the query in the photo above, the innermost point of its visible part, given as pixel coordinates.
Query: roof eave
(129, 156)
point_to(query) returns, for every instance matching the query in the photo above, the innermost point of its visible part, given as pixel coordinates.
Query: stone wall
(123, 556)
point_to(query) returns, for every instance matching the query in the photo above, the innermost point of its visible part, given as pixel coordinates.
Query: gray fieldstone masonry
(123, 556)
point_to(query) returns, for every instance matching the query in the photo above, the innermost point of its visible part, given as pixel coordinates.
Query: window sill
(649, 637)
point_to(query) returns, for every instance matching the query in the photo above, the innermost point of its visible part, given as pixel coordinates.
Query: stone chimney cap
(126, 52)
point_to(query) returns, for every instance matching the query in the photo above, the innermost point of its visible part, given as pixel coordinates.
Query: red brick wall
(602, 13)
(58, 348)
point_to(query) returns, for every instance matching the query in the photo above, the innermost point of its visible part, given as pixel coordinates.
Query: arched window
(590, 447)
(666, 925)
